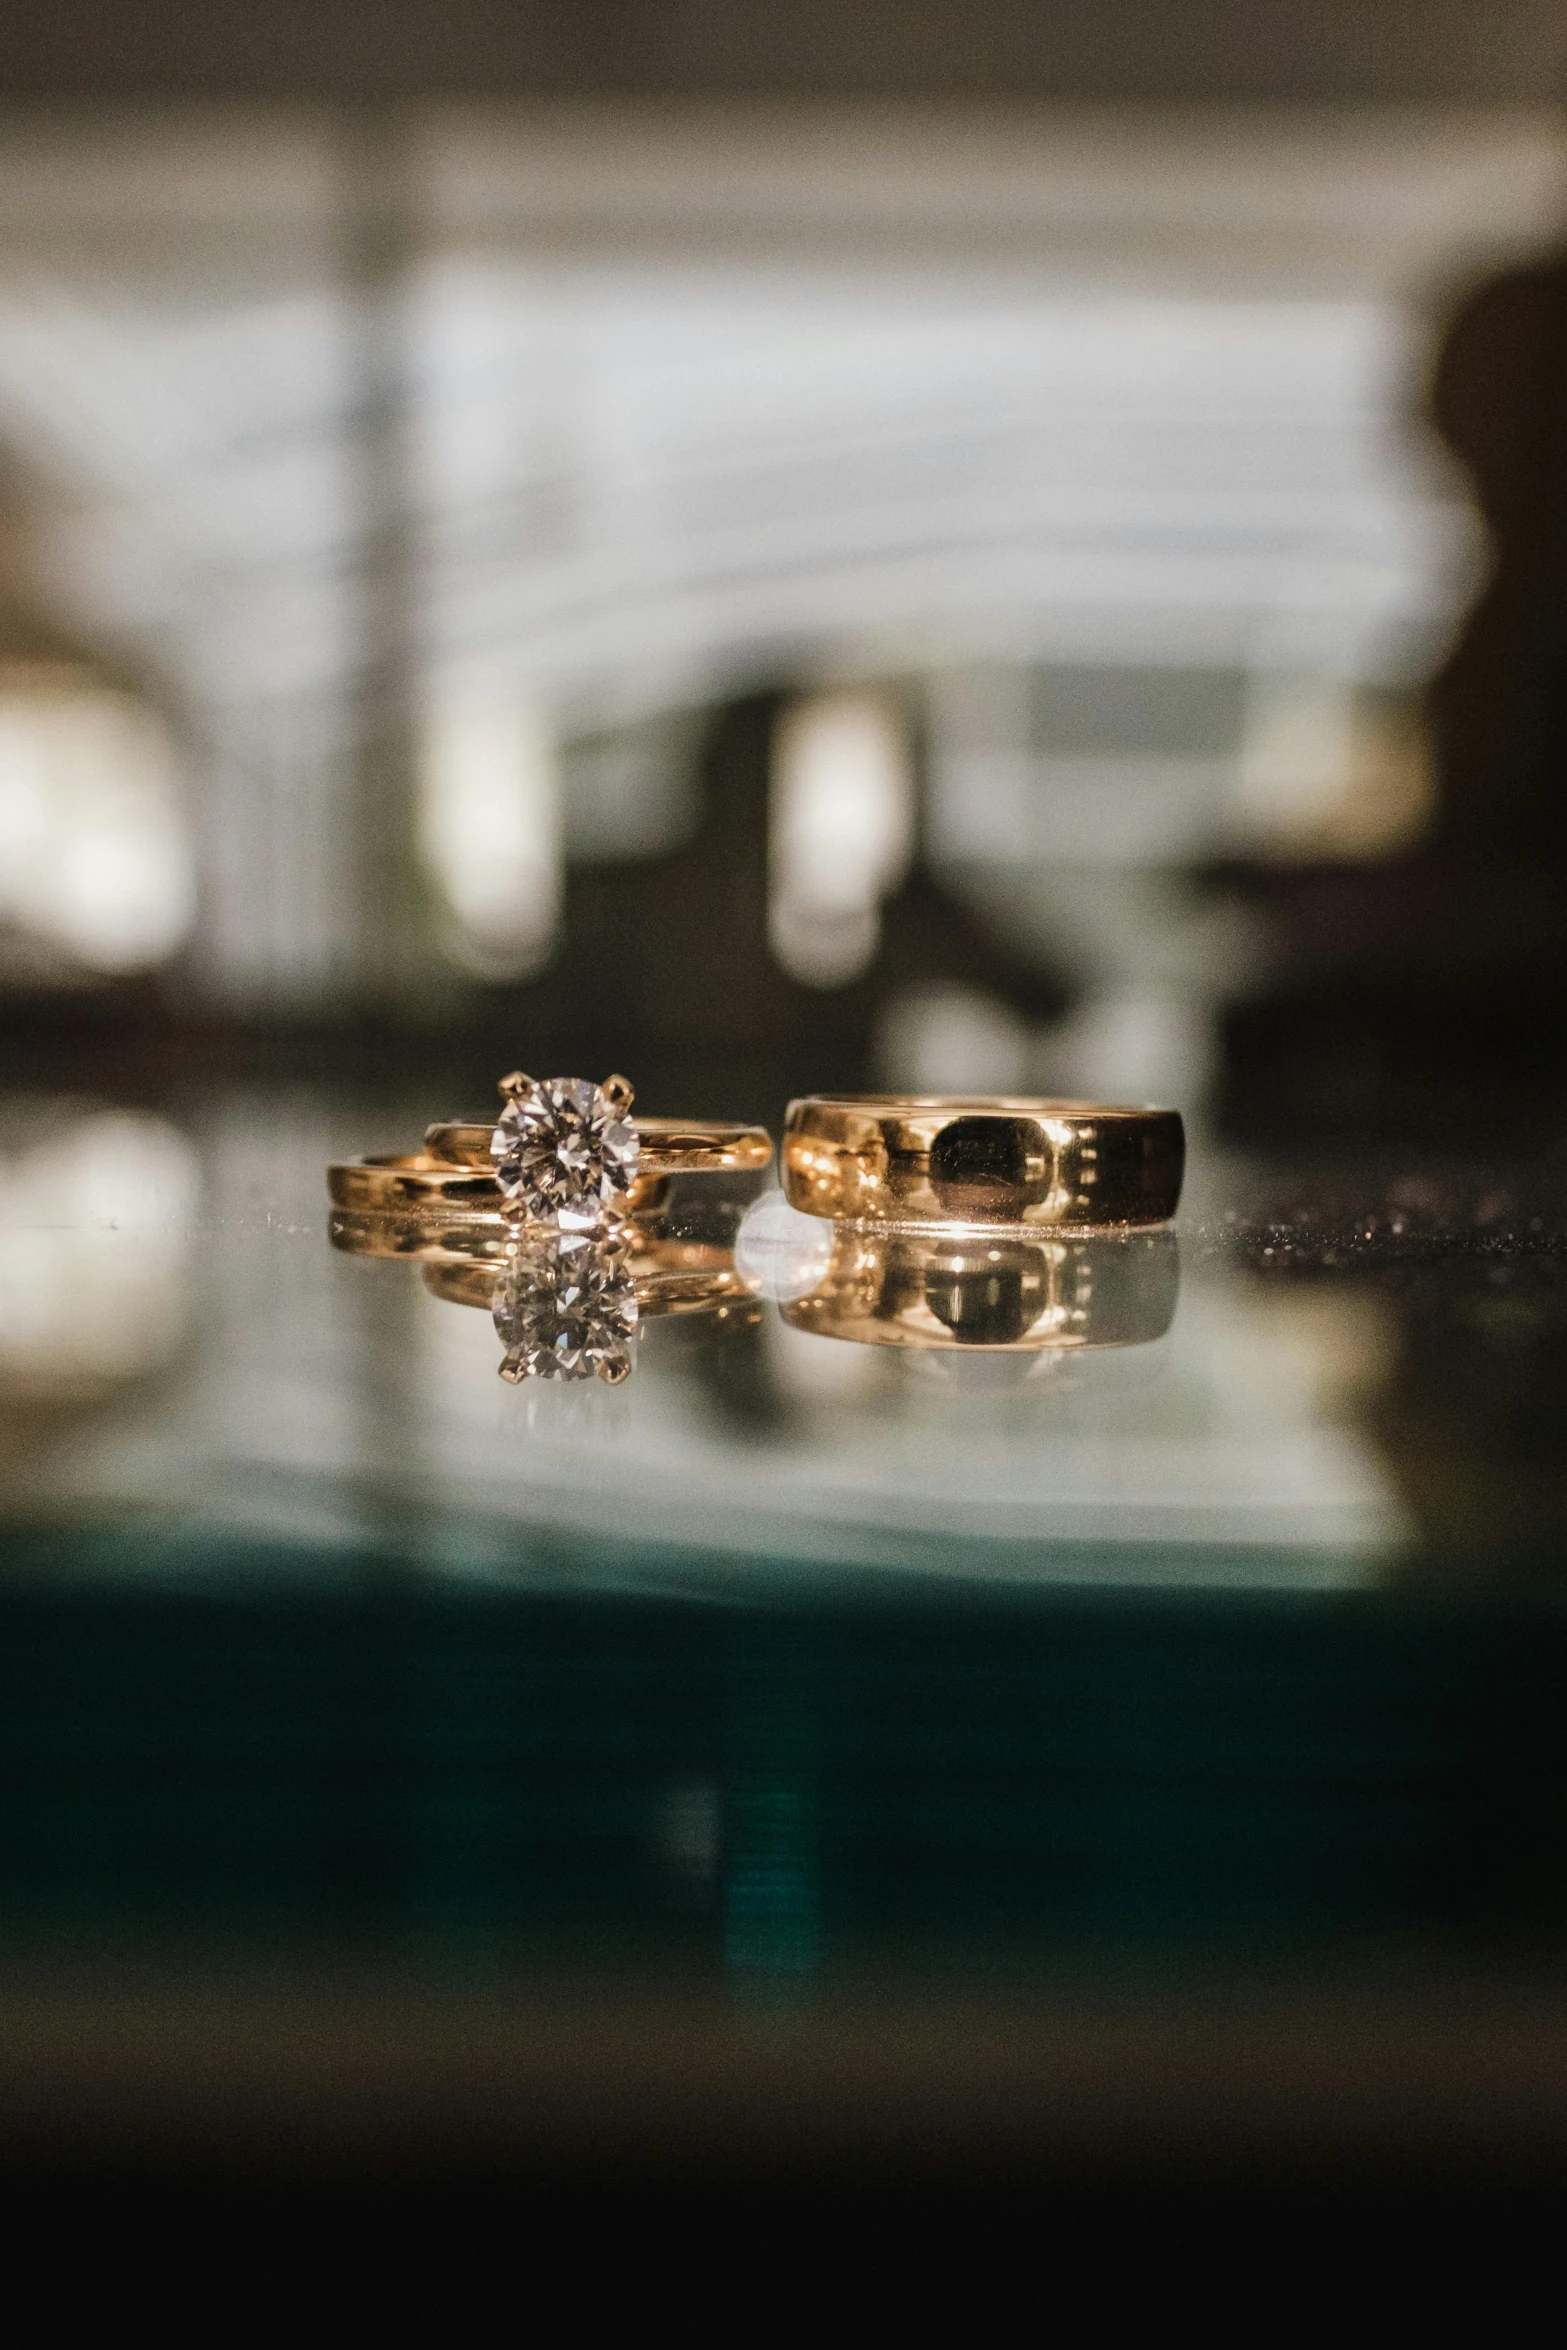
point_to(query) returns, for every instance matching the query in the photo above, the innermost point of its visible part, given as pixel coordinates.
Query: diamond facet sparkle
(564, 1150)
(565, 1307)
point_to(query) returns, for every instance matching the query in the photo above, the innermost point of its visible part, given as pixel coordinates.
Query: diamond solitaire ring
(568, 1154)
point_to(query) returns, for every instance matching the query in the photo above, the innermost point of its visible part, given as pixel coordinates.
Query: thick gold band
(670, 1146)
(415, 1182)
(906, 1161)
(993, 1294)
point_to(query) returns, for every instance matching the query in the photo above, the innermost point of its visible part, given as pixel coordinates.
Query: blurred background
(1004, 547)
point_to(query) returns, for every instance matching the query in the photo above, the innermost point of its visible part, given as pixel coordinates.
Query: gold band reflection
(566, 1305)
(993, 1294)
(673, 1279)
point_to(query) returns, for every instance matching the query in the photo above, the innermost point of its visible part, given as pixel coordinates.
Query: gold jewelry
(388, 1182)
(910, 1161)
(670, 1146)
(994, 1294)
(565, 1152)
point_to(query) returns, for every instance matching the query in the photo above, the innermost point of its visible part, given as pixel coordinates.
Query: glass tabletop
(187, 1355)
(1086, 1665)
(1146, 1602)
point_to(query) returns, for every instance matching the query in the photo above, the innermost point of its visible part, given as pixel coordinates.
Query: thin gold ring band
(670, 1146)
(413, 1182)
(908, 1161)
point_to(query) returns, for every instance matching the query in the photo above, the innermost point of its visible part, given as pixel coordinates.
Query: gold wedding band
(991, 1294)
(399, 1183)
(410, 1180)
(670, 1146)
(560, 1152)
(900, 1161)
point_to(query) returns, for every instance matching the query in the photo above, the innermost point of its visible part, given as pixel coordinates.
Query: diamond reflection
(567, 1304)
(566, 1308)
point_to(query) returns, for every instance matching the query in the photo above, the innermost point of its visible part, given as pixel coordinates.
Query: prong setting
(565, 1149)
(616, 1242)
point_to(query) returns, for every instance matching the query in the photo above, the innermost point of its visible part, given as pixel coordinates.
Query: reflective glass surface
(987, 1603)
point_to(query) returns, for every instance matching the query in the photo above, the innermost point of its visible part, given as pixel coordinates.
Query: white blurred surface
(841, 821)
(97, 1251)
(95, 851)
(490, 827)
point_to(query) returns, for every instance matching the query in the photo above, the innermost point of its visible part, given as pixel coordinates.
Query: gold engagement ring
(563, 1152)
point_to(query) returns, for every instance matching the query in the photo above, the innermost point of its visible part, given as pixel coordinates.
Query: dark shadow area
(1428, 997)
(1223, 1895)
(1324, 50)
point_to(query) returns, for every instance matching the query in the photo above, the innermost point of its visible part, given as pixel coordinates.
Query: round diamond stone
(563, 1151)
(566, 1307)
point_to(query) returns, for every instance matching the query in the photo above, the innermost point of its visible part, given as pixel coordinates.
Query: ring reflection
(566, 1305)
(993, 1295)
